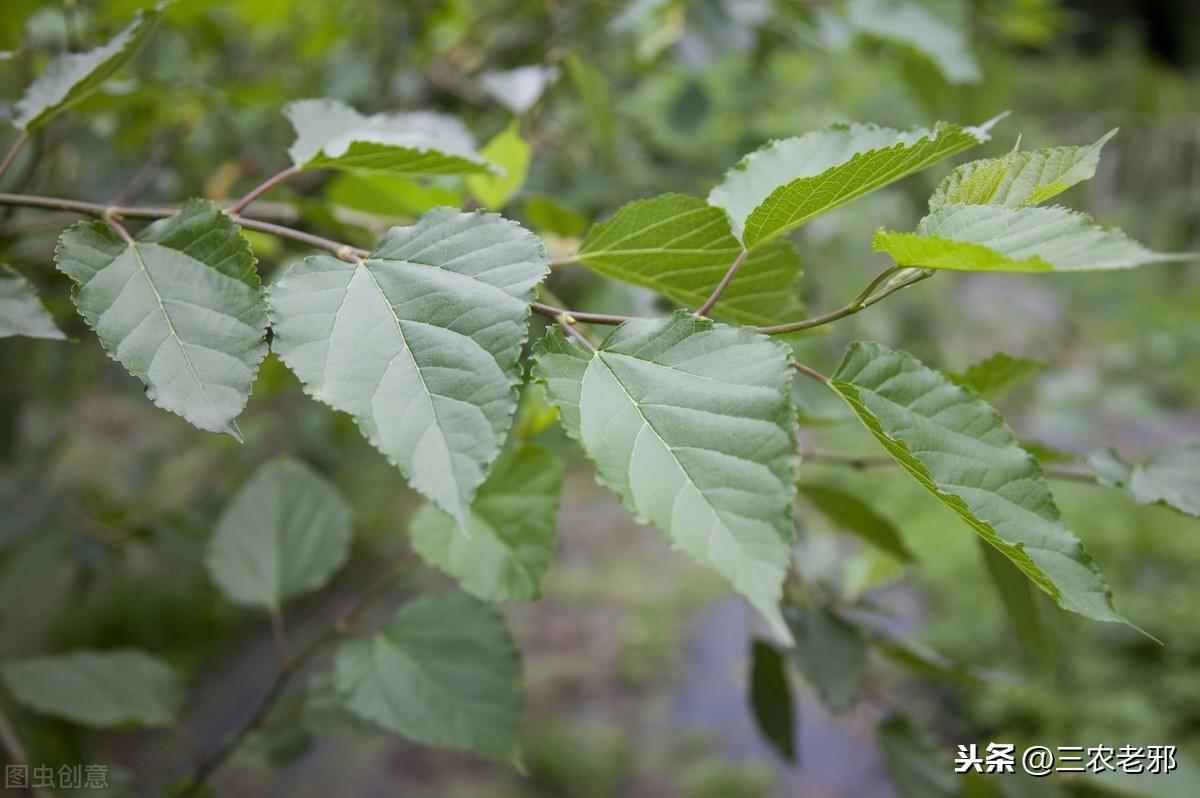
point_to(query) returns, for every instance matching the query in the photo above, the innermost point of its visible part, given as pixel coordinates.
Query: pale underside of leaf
(71, 77)
(788, 182)
(419, 343)
(681, 247)
(960, 449)
(332, 135)
(690, 423)
(21, 311)
(181, 308)
(1030, 239)
(1019, 178)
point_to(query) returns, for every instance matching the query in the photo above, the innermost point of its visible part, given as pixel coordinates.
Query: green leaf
(918, 766)
(285, 533)
(830, 654)
(332, 135)
(1030, 239)
(443, 672)
(924, 27)
(959, 448)
(512, 529)
(1019, 178)
(1029, 611)
(21, 312)
(554, 217)
(72, 77)
(510, 152)
(788, 182)
(852, 514)
(771, 699)
(120, 687)
(388, 196)
(1170, 477)
(921, 658)
(691, 424)
(681, 247)
(998, 374)
(598, 104)
(181, 308)
(419, 343)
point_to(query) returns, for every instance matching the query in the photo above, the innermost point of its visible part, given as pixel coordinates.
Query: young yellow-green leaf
(443, 672)
(852, 514)
(510, 152)
(21, 312)
(1019, 178)
(939, 36)
(419, 343)
(691, 424)
(388, 196)
(1171, 476)
(332, 135)
(988, 238)
(959, 448)
(787, 182)
(830, 654)
(71, 77)
(681, 247)
(120, 687)
(285, 533)
(771, 699)
(513, 529)
(998, 374)
(180, 308)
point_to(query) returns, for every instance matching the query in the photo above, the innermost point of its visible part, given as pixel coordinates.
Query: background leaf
(508, 151)
(690, 423)
(771, 699)
(71, 77)
(829, 653)
(1171, 476)
(959, 448)
(784, 184)
(519, 89)
(938, 31)
(598, 104)
(1030, 612)
(918, 766)
(181, 309)
(332, 135)
(419, 343)
(681, 247)
(998, 374)
(98, 688)
(21, 311)
(512, 531)
(443, 672)
(852, 514)
(285, 533)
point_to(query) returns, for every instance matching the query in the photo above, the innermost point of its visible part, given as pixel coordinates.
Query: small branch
(721, 286)
(860, 463)
(207, 766)
(343, 251)
(586, 318)
(189, 740)
(864, 300)
(12, 153)
(565, 260)
(112, 221)
(16, 752)
(1074, 473)
(279, 638)
(567, 323)
(262, 188)
(810, 372)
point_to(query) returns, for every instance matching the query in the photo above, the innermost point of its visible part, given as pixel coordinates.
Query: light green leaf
(510, 152)
(181, 308)
(419, 343)
(852, 514)
(1171, 476)
(72, 77)
(519, 89)
(285, 533)
(771, 699)
(443, 672)
(926, 27)
(998, 374)
(121, 687)
(1019, 178)
(598, 103)
(553, 217)
(681, 247)
(691, 424)
(915, 761)
(1029, 239)
(959, 448)
(332, 135)
(21, 312)
(512, 529)
(787, 182)
(830, 654)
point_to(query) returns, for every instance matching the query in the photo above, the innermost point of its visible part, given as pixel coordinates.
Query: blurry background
(635, 659)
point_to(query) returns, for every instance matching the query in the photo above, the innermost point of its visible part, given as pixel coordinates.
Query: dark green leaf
(771, 699)
(852, 514)
(918, 766)
(830, 654)
(1029, 610)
